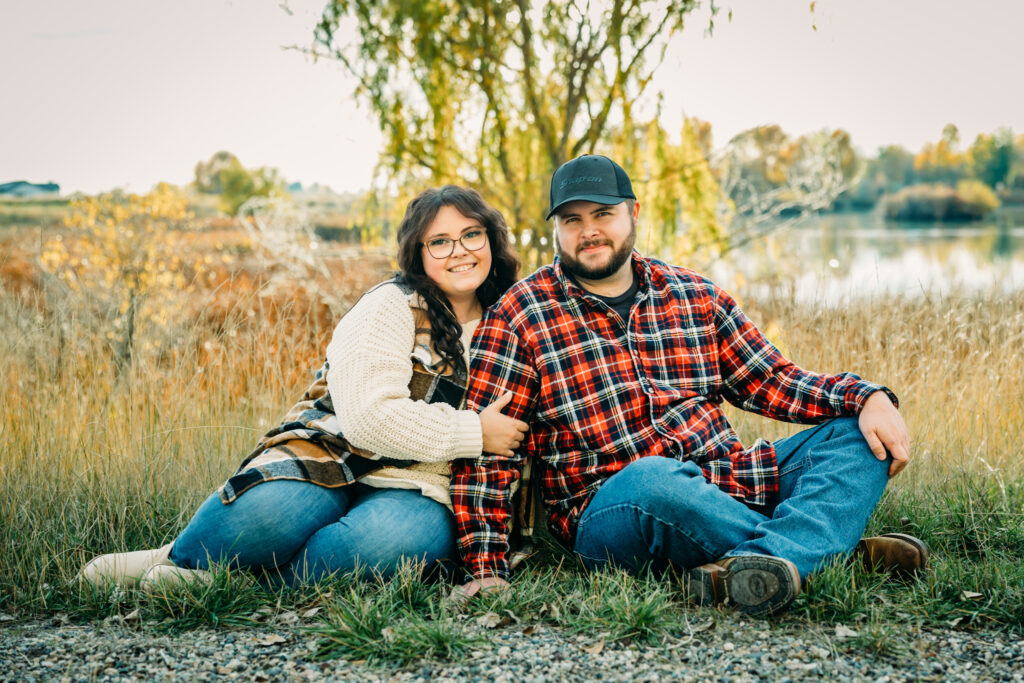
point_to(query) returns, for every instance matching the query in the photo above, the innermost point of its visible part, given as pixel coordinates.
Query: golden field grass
(96, 459)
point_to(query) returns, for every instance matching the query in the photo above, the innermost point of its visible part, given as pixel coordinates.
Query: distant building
(23, 188)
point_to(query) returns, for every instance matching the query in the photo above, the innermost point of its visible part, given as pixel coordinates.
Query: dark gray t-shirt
(622, 303)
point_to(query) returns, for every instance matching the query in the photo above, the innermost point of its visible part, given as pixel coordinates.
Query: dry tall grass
(93, 457)
(92, 460)
(955, 363)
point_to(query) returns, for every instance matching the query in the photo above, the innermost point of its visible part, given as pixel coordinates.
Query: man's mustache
(593, 243)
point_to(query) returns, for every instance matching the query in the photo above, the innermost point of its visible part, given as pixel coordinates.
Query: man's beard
(572, 266)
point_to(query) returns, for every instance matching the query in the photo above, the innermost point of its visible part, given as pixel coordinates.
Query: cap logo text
(581, 179)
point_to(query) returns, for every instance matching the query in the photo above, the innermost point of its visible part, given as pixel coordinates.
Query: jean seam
(800, 464)
(644, 512)
(806, 466)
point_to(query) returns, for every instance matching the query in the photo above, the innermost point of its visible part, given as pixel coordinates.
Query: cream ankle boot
(171, 576)
(124, 569)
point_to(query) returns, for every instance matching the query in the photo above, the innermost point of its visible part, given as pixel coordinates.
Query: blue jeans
(300, 531)
(658, 512)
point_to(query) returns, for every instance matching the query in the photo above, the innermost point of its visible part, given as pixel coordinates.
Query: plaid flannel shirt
(600, 392)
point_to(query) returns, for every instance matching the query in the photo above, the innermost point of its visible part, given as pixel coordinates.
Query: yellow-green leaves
(122, 255)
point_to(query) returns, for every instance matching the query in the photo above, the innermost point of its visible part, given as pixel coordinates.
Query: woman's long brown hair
(445, 330)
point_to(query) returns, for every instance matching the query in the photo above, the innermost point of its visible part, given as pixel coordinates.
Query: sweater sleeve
(370, 367)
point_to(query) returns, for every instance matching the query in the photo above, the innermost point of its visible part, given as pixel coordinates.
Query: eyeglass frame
(451, 243)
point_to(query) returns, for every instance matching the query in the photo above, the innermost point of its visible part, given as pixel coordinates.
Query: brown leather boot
(898, 554)
(757, 585)
(704, 584)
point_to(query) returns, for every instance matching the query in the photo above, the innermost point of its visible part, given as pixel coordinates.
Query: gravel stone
(735, 650)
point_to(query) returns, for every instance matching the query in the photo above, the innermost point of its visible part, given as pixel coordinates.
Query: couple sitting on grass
(604, 372)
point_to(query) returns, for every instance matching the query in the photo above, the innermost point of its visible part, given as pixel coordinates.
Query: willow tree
(498, 94)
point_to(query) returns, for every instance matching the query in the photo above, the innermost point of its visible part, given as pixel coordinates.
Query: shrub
(976, 198)
(120, 254)
(970, 200)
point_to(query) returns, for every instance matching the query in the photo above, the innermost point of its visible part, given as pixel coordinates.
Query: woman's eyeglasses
(442, 247)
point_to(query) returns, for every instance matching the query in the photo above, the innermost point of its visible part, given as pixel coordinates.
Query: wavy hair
(445, 330)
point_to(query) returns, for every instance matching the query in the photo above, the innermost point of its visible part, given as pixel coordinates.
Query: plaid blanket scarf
(309, 445)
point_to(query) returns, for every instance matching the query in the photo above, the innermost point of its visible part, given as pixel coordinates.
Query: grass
(227, 600)
(96, 460)
(644, 610)
(878, 638)
(374, 627)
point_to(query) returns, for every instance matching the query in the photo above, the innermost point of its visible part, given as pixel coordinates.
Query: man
(620, 363)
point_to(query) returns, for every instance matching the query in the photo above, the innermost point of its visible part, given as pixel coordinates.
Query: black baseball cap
(591, 178)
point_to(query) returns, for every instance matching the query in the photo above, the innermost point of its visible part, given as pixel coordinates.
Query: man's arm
(756, 377)
(481, 488)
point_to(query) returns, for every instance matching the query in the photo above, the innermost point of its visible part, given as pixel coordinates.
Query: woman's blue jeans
(658, 512)
(300, 531)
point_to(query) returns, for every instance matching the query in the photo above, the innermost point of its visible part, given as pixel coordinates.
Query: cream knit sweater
(370, 367)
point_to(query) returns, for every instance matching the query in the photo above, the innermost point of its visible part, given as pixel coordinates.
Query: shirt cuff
(858, 395)
(469, 441)
(481, 569)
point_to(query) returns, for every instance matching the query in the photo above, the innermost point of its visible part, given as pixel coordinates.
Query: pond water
(834, 258)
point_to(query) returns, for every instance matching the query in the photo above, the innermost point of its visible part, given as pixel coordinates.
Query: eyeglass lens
(442, 247)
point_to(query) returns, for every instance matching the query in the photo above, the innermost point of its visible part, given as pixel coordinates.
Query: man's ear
(636, 210)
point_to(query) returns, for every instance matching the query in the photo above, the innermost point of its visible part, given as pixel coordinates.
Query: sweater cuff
(857, 396)
(469, 440)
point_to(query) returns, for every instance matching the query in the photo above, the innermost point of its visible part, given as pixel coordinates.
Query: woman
(356, 476)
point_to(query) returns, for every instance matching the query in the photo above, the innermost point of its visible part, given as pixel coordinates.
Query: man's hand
(460, 595)
(883, 427)
(502, 435)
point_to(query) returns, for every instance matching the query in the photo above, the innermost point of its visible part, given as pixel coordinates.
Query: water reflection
(837, 257)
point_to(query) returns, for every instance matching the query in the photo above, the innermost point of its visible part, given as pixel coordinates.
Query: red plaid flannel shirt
(599, 394)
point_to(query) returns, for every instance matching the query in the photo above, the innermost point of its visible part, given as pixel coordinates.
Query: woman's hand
(501, 434)
(460, 595)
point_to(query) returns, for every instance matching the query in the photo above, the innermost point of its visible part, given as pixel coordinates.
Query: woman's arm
(370, 367)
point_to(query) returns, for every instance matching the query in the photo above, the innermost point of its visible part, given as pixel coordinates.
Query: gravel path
(729, 648)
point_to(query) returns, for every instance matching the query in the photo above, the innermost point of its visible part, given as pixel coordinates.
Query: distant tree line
(943, 180)
(761, 171)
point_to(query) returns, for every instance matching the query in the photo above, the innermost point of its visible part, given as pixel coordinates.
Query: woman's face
(463, 271)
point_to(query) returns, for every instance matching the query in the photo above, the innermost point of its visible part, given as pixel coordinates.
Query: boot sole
(756, 585)
(704, 585)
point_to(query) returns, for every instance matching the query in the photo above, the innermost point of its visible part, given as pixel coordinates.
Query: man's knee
(656, 469)
(654, 485)
(647, 514)
(844, 425)
(847, 429)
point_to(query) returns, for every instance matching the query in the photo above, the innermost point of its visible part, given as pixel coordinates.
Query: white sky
(125, 93)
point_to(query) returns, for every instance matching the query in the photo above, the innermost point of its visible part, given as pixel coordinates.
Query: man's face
(595, 240)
